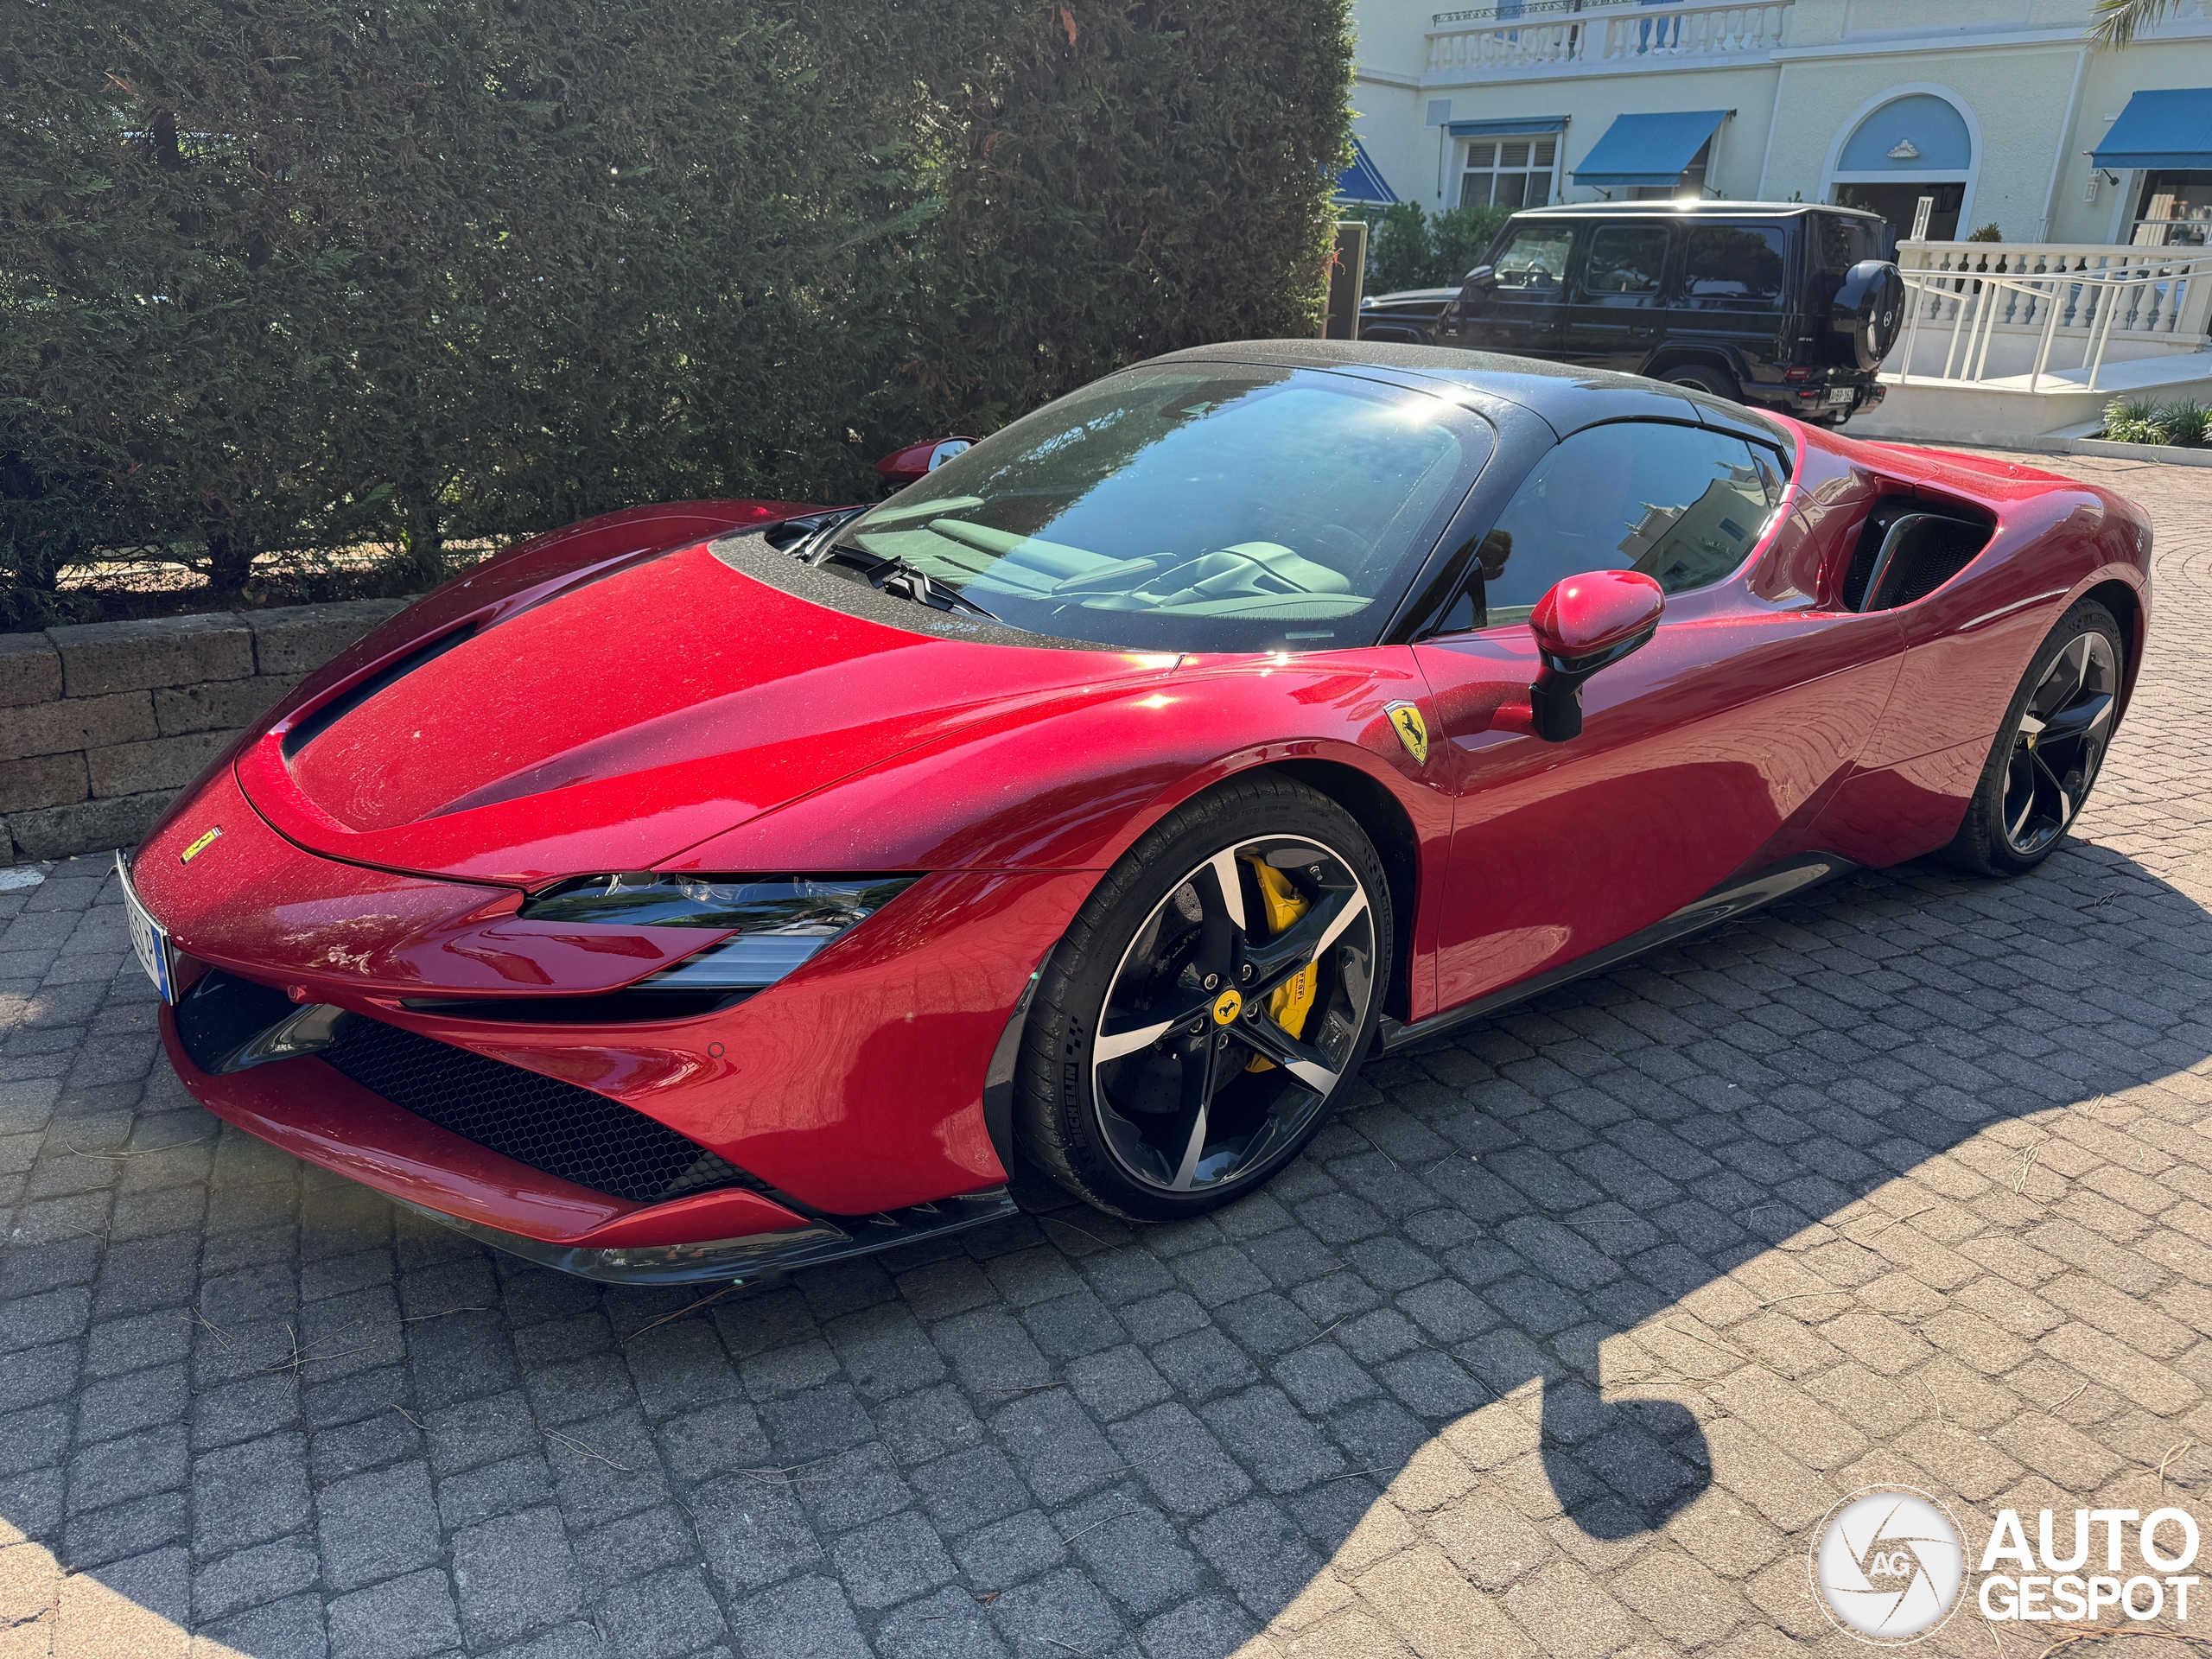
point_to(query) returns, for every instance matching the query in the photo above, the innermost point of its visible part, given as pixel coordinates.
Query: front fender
(1072, 785)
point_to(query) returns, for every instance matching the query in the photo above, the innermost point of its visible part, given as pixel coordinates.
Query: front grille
(552, 1126)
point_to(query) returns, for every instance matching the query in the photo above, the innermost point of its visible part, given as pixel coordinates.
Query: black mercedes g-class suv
(1789, 306)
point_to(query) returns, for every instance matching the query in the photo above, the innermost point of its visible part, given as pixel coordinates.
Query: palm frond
(2117, 21)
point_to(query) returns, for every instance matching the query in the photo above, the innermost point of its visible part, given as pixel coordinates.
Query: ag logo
(1888, 1565)
(1412, 730)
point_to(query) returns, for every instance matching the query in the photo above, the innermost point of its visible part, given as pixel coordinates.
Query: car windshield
(1203, 508)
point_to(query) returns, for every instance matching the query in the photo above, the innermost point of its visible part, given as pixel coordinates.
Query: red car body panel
(629, 701)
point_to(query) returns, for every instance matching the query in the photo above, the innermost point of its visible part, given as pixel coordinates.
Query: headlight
(781, 920)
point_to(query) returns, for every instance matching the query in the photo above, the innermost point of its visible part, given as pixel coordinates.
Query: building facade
(1970, 112)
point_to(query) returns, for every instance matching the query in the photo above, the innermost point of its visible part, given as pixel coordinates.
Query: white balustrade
(1549, 33)
(1965, 294)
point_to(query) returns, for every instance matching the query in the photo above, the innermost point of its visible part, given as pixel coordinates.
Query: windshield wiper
(892, 575)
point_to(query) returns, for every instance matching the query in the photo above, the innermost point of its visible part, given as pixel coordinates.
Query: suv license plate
(148, 937)
(1842, 395)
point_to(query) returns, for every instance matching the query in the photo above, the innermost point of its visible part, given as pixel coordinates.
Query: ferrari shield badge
(1412, 730)
(200, 845)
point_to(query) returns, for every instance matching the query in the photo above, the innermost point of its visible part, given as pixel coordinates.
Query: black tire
(2054, 737)
(1719, 381)
(1133, 968)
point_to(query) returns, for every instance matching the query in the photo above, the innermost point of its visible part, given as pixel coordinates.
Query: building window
(2173, 210)
(1508, 172)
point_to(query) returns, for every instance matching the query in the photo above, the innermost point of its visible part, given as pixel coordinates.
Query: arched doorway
(1910, 142)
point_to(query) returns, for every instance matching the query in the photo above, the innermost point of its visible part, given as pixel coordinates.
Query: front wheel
(2047, 752)
(1210, 1005)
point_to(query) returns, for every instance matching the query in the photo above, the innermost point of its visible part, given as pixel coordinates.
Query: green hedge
(1409, 248)
(284, 274)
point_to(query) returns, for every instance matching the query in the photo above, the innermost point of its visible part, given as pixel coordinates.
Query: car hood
(627, 714)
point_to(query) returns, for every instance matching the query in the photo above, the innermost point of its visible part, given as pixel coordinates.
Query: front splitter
(740, 1260)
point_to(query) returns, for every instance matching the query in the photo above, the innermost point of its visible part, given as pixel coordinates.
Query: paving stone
(375, 1525)
(408, 1617)
(891, 1561)
(250, 1492)
(807, 1618)
(250, 1577)
(513, 1575)
(669, 1613)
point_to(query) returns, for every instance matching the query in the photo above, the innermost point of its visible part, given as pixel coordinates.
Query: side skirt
(1730, 899)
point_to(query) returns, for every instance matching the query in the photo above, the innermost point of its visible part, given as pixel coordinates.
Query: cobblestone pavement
(1558, 1343)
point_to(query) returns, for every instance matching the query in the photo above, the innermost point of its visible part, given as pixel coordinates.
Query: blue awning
(2167, 129)
(1512, 127)
(1648, 149)
(1363, 183)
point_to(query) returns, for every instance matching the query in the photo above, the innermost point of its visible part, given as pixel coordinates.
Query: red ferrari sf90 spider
(715, 888)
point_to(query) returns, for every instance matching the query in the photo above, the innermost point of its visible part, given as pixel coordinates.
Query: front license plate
(148, 937)
(1841, 394)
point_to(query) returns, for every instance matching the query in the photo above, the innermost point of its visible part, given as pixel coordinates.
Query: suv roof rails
(1689, 209)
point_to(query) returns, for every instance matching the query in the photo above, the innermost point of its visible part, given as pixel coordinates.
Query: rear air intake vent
(347, 701)
(552, 1126)
(1907, 549)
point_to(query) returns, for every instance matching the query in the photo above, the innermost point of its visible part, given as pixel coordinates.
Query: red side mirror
(1584, 624)
(1596, 613)
(920, 460)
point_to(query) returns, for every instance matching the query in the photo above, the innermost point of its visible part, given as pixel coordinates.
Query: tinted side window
(1684, 505)
(1733, 268)
(1535, 260)
(1842, 242)
(1626, 263)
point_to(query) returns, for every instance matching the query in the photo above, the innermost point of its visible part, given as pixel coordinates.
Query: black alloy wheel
(1180, 1064)
(1202, 1023)
(2058, 744)
(2049, 749)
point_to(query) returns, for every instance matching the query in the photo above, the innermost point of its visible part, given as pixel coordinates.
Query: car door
(1517, 308)
(1711, 742)
(1614, 310)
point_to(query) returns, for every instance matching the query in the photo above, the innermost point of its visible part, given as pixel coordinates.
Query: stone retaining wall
(102, 723)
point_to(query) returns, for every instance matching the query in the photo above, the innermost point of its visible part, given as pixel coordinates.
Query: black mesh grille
(1939, 553)
(552, 1126)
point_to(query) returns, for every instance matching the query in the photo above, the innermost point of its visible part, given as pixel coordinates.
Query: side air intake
(1907, 549)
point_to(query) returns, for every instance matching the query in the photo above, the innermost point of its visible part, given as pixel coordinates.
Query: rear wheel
(1719, 381)
(2047, 752)
(1209, 1004)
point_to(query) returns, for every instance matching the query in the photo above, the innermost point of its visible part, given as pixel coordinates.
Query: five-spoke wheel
(1209, 1003)
(1232, 1013)
(2059, 740)
(2046, 753)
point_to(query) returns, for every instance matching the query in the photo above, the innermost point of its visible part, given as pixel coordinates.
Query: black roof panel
(1567, 397)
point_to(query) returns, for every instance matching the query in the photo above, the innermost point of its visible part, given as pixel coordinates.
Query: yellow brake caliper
(1293, 1000)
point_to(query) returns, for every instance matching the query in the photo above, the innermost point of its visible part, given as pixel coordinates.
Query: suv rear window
(1839, 243)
